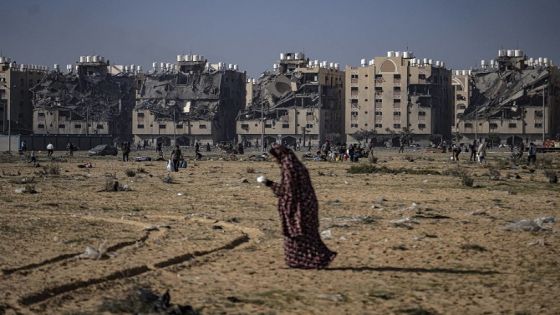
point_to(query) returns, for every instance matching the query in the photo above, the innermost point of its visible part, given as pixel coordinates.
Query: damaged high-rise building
(396, 94)
(16, 109)
(85, 100)
(192, 100)
(512, 98)
(300, 102)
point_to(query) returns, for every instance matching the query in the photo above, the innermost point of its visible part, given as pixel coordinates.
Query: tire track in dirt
(248, 234)
(46, 294)
(63, 257)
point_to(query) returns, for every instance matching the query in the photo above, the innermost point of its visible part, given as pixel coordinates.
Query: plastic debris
(95, 253)
(326, 234)
(404, 222)
(535, 225)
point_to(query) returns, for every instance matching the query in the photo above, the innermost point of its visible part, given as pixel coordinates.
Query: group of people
(478, 151)
(341, 152)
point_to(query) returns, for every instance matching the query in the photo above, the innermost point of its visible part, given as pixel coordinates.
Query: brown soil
(214, 241)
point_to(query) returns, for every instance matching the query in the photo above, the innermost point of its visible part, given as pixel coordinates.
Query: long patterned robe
(298, 209)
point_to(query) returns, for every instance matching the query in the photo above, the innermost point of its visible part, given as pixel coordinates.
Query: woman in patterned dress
(298, 209)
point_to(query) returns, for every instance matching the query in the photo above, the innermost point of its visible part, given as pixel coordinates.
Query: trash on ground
(536, 225)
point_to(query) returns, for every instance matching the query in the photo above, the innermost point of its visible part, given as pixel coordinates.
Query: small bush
(494, 174)
(130, 173)
(51, 169)
(141, 170)
(250, 170)
(552, 176)
(467, 181)
(362, 169)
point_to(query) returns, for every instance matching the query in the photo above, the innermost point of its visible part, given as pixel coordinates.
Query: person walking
(125, 151)
(532, 154)
(50, 149)
(482, 152)
(401, 147)
(176, 156)
(299, 213)
(473, 148)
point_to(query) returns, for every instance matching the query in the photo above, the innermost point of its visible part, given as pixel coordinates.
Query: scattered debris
(130, 172)
(244, 181)
(112, 185)
(27, 189)
(85, 165)
(540, 242)
(404, 222)
(326, 234)
(337, 297)
(95, 253)
(146, 301)
(536, 225)
(142, 159)
(168, 179)
(473, 247)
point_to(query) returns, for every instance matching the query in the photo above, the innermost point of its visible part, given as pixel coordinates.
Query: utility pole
(262, 127)
(543, 116)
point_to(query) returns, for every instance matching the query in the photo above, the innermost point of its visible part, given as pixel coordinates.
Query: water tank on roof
(518, 53)
(397, 53)
(282, 56)
(179, 57)
(235, 67)
(483, 63)
(101, 59)
(371, 62)
(545, 61)
(138, 69)
(82, 58)
(509, 52)
(316, 63)
(425, 61)
(390, 54)
(430, 61)
(363, 62)
(297, 56)
(2, 60)
(464, 72)
(95, 59)
(406, 54)
(437, 63)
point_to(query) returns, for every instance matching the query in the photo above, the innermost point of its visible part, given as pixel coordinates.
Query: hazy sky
(252, 33)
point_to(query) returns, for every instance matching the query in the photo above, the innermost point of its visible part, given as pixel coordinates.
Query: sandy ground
(213, 239)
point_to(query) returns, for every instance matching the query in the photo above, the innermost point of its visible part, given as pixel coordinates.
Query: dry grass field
(212, 237)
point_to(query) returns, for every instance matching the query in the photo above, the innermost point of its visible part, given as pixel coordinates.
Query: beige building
(510, 99)
(16, 109)
(392, 94)
(461, 95)
(299, 103)
(86, 100)
(189, 101)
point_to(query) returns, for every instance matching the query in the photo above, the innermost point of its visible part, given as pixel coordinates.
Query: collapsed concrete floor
(213, 239)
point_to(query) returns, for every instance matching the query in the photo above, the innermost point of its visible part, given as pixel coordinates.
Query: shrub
(466, 180)
(250, 170)
(130, 172)
(362, 169)
(51, 169)
(552, 176)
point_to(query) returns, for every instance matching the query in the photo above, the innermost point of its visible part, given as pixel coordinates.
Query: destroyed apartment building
(512, 99)
(16, 108)
(187, 102)
(300, 102)
(85, 100)
(397, 94)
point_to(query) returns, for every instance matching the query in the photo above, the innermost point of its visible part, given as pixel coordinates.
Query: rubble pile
(500, 93)
(194, 95)
(97, 96)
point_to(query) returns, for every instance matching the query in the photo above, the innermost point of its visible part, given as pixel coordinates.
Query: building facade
(187, 102)
(16, 108)
(396, 94)
(512, 99)
(299, 103)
